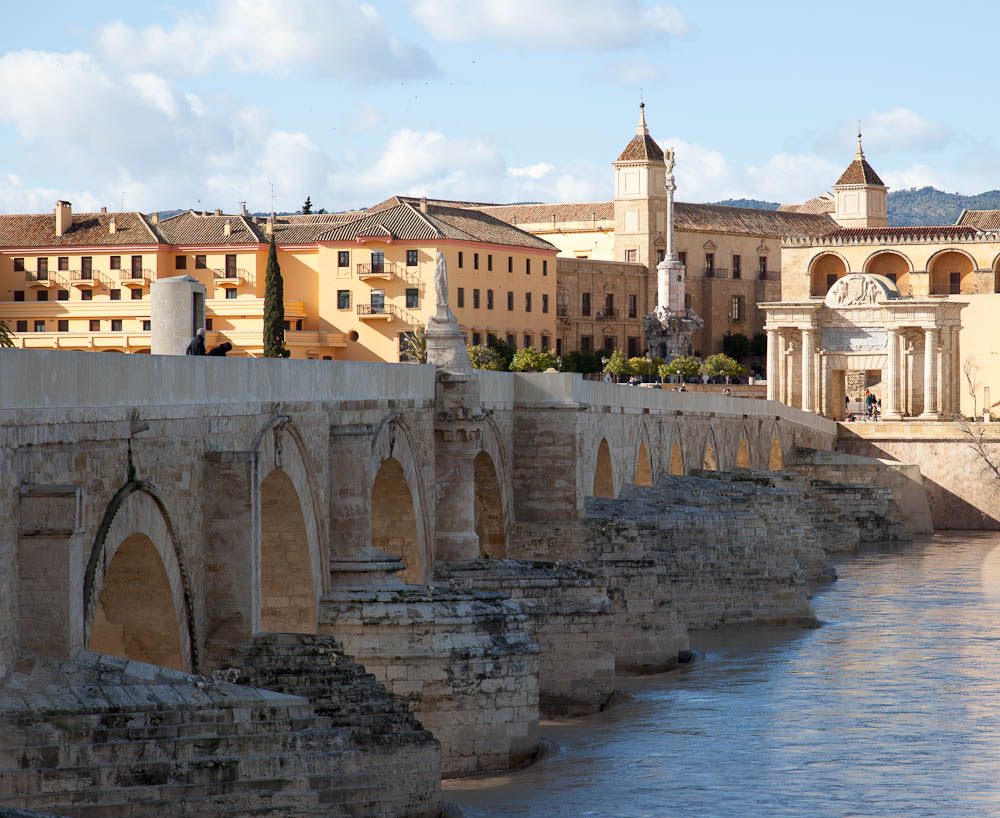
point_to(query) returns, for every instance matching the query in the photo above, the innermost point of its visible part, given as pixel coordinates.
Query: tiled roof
(859, 172)
(196, 228)
(88, 229)
(539, 213)
(817, 205)
(642, 148)
(724, 219)
(867, 233)
(407, 223)
(392, 201)
(980, 219)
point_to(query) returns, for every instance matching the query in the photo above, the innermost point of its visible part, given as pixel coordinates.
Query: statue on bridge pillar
(445, 340)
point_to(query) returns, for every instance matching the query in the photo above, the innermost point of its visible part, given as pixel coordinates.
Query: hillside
(927, 205)
(753, 204)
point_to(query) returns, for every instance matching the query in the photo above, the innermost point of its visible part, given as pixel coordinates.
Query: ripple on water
(891, 708)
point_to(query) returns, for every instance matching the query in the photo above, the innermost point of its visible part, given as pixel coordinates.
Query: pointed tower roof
(859, 172)
(642, 148)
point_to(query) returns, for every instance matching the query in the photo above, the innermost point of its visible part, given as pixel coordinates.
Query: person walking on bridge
(197, 345)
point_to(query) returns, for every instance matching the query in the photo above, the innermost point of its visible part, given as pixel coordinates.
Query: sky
(163, 105)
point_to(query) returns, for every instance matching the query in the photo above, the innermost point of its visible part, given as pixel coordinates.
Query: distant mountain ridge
(910, 208)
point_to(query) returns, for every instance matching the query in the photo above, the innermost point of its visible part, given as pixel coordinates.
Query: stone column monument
(670, 326)
(445, 341)
(176, 312)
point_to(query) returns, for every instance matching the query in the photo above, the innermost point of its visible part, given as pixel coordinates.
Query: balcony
(85, 279)
(135, 278)
(609, 312)
(562, 310)
(376, 312)
(714, 272)
(39, 279)
(230, 278)
(385, 270)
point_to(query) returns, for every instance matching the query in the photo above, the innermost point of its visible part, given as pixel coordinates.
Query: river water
(890, 708)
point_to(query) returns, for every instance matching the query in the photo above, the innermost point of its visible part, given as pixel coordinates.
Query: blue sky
(207, 104)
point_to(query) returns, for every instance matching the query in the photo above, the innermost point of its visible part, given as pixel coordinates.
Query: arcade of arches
(394, 523)
(604, 478)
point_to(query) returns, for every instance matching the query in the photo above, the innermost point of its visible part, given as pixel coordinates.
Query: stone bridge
(171, 510)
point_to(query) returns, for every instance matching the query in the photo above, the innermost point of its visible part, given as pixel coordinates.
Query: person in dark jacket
(221, 349)
(197, 345)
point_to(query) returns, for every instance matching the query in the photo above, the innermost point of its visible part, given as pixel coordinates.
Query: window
(180, 262)
(489, 263)
(510, 264)
(683, 257)
(559, 346)
(609, 343)
(86, 295)
(230, 265)
(891, 277)
(19, 295)
(87, 268)
(545, 343)
(298, 325)
(633, 347)
(633, 306)
(736, 309)
(343, 299)
(609, 305)
(137, 266)
(62, 295)
(762, 269)
(116, 262)
(476, 339)
(709, 265)
(545, 302)
(137, 294)
(545, 269)
(511, 340)
(475, 261)
(527, 266)
(510, 301)
(460, 257)
(687, 301)
(831, 279)
(489, 299)
(95, 325)
(954, 283)
(230, 293)
(737, 267)
(411, 258)
(527, 302)
(62, 325)
(116, 324)
(586, 343)
(208, 324)
(343, 258)
(43, 269)
(19, 265)
(412, 298)
(660, 255)
(461, 294)
(39, 325)
(630, 255)
(42, 295)
(62, 263)
(147, 325)
(475, 299)
(22, 326)
(116, 295)
(286, 325)
(528, 340)
(585, 303)
(200, 262)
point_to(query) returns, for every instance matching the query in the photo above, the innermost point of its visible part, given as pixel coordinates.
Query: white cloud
(601, 24)
(638, 72)
(16, 197)
(532, 171)
(901, 128)
(334, 37)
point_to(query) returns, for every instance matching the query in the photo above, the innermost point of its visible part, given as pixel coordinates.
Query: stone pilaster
(809, 370)
(772, 365)
(892, 378)
(930, 374)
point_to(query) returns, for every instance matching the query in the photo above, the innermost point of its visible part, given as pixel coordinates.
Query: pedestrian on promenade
(221, 350)
(197, 345)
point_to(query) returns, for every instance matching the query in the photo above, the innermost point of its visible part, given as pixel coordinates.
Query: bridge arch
(776, 454)
(289, 537)
(398, 501)
(710, 453)
(744, 458)
(137, 596)
(675, 456)
(644, 473)
(604, 475)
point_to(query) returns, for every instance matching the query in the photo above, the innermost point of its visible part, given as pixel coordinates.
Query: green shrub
(687, 366)
(530, 360)
(721, 364)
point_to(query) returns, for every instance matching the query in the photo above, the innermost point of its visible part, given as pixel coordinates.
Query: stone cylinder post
(809, 370)
(930, 374)
(891, 408)
(772, 365)
(176, 312)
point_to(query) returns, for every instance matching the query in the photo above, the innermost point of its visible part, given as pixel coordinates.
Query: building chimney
(269, 227)
(228, 229)
(154, 217)
(243, 209)
(423, 204)
(104, 210)
(218, 212)
(64, 217)
(112, 227)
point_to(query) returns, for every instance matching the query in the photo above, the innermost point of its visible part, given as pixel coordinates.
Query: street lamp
(649, 364)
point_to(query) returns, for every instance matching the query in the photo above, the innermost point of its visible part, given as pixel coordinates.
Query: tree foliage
(585, 361)
(484, 357)
(530, 360)
(274, 307)
(758, 345)
(687, 366)
(617, 364)
(307, 206)
(414, 346)
(736, 345)
(502, 350)
(5, 338)
(721, 364)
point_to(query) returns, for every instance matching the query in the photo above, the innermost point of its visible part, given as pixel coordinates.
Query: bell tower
(640, 198)
(860, 195)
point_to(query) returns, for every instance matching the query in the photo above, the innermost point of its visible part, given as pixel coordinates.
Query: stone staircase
(100, 736)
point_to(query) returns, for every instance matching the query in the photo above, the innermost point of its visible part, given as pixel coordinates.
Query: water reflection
(891, 708)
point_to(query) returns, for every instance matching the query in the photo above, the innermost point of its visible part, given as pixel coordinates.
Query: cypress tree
(307, 207)
(274, 307)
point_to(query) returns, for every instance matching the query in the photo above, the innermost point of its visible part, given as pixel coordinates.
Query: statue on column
(445, 339)
(442, 313)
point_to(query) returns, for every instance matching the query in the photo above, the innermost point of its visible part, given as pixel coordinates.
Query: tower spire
(642, 130)
(860, 154)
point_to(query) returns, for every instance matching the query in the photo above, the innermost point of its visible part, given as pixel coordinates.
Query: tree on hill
(307, 206)
(274, 307)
